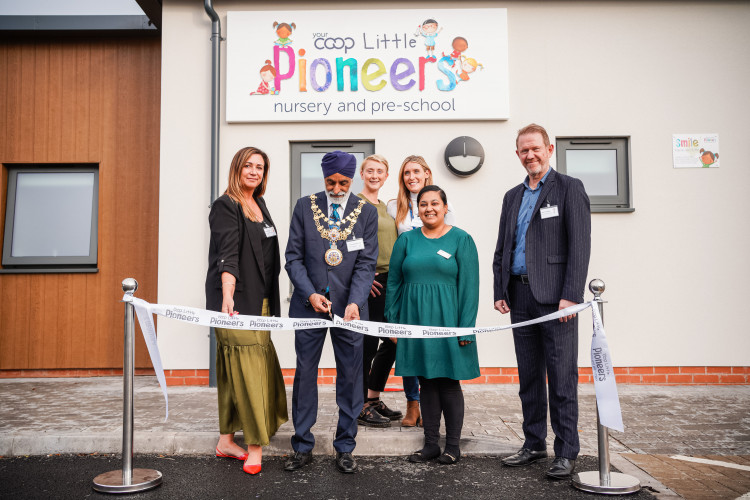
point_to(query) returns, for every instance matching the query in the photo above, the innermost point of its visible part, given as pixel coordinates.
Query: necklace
(334, 231)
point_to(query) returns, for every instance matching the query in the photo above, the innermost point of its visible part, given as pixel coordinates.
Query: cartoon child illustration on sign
(267, 74)
(429, 30)
(468, 65)
(459, 45)
(283, 30)
(708, 158)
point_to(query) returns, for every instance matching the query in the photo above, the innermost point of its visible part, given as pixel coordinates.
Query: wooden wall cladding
(87, 101)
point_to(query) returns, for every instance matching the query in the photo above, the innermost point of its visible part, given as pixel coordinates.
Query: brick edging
(638, 375)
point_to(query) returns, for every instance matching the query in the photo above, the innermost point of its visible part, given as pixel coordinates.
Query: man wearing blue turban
(330, 258)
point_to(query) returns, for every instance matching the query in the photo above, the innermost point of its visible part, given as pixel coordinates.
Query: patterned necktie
(335, 212)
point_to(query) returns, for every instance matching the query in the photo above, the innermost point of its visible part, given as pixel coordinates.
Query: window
(603, 165)
(51, 218)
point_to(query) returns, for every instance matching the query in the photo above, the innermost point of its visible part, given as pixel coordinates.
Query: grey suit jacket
(350, 281)
(557, 248)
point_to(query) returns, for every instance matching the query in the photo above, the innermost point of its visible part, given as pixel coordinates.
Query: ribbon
(146, 319)
(607, 400)
(601, 361)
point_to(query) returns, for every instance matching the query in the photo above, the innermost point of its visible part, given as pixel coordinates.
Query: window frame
(48, 264)
(623, 200)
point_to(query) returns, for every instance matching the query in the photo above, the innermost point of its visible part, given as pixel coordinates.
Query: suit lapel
(322, 201)
(546, 188)
(515, 206)
(351, 205)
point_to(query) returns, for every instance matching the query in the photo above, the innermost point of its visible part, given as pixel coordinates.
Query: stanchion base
(111, 482)
(619, 484)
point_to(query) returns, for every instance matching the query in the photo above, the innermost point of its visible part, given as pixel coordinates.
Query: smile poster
(695, 150)
(364, 65)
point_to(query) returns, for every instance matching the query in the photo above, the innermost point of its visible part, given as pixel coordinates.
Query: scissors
(330, 309)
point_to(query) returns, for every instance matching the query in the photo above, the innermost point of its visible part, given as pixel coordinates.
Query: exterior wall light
(464, 156)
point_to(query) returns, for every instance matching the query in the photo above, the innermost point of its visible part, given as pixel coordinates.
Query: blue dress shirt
(528, 202)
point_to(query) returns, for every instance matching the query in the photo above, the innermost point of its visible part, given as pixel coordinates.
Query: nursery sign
(363, 65)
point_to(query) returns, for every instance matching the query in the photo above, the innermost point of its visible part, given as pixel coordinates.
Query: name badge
(355, 244)
(270, 231)
(444, 254)
(547, 212)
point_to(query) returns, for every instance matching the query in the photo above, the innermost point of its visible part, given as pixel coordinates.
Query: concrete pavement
(51, 416)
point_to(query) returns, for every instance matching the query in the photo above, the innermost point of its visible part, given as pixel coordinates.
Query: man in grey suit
(330, 258)
(540, 266)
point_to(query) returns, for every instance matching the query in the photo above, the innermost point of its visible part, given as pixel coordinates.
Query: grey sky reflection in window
(53, 214)
(597, 169)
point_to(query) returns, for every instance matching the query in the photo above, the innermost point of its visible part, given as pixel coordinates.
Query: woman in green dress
(433, 280)
(243, 277)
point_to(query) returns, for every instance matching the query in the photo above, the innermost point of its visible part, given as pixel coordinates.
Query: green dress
(250, 386)
(426, 288)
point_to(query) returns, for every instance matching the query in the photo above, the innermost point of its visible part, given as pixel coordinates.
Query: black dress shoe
(345, 462)
(298, 460)
(387, 412)
(561, 468)
(524, 456)
(370, 417)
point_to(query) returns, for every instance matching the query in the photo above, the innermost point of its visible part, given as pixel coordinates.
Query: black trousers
(549, 351)
(441, 396)
(378, 353)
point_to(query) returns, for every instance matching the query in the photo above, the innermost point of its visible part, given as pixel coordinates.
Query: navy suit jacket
(557, 248)
(350, 281)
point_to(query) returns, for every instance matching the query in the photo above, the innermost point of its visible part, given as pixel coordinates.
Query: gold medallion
(334, 256)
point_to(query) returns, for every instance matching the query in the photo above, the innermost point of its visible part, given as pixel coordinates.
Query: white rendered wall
(676, 269)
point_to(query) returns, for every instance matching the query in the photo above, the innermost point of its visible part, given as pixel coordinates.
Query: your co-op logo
(325, 42)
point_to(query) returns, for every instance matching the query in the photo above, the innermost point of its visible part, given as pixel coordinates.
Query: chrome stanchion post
(129, 286)
(603, 481)
(128, 480)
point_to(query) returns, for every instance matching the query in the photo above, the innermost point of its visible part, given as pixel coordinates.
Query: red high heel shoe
(251, 469)
(223, 455)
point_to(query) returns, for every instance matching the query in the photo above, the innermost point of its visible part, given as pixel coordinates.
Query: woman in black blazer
(243, 278)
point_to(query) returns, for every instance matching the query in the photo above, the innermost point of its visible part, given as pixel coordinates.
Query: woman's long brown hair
(234, 188)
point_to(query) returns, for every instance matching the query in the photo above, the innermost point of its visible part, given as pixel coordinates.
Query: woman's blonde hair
(377, 158)
(403, 198)
(234, 188)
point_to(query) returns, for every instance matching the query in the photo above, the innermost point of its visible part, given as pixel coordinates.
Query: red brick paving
(696, 481)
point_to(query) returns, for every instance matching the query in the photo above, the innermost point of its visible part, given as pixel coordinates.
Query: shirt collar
(541, 182)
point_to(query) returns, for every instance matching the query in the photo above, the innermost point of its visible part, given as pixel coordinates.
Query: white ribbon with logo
(601, 360)
(146, 319)
(607, 400)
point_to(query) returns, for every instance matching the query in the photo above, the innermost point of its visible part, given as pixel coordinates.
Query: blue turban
(338, 162)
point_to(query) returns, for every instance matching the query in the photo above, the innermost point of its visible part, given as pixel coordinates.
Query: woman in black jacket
(243, 278)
